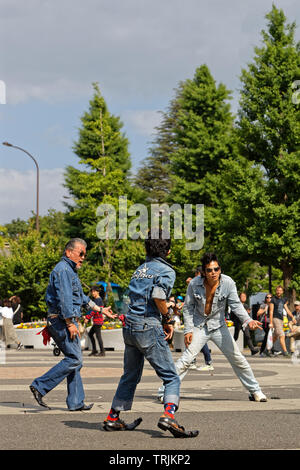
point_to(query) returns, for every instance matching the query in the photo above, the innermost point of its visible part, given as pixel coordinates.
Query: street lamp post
(37, 224)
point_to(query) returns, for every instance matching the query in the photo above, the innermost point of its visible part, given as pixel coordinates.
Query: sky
(51, 51)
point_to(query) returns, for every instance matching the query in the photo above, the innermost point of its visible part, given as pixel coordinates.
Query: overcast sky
(138, 50)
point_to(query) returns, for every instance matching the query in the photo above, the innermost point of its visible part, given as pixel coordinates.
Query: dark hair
(208, 258)
(15, 299)
(157, 247)
(198, 269)
(6, 303)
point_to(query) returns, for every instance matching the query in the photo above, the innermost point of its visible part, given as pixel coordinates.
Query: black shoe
(39, 397)
(120, 425)
(254, 351)
(93, 353)
(170, 424)
(102, 354)
(84, 408)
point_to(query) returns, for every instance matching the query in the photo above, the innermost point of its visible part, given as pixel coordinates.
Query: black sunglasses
(210, 270)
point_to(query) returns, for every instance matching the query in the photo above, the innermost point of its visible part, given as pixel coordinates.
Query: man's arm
(288, 311)
(188, 315)
(237, 307)
(271, 311)
(161, 304)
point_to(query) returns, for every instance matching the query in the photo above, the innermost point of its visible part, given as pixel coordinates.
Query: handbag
(269, 344)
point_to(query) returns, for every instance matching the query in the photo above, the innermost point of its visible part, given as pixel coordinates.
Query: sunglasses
(269, 297)
(82, 254)
(210, 270)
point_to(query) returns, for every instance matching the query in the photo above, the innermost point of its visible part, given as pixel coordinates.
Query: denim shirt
(152, 279)
(194, 305)
(64, 295)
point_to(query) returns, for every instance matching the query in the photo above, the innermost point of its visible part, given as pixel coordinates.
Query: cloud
(134, 48)
(18, 193)
(142, 121)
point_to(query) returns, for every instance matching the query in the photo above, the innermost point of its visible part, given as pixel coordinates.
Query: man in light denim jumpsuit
(204, 319)
(145, 337)
(64, 298)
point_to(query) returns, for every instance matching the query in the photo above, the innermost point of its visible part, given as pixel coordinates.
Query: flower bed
(30, 325)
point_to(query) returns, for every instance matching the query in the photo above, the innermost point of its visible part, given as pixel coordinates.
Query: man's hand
(73, 330)
(188, 339)
(168, 330)
(108, 312)
(254, 325)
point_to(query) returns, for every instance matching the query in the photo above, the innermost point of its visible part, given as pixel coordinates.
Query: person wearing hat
(294, 326)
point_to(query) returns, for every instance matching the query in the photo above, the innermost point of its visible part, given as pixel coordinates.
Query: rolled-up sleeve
(188, 310)
(163, 285)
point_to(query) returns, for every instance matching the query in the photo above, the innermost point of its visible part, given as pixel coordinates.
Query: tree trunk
(287, 273)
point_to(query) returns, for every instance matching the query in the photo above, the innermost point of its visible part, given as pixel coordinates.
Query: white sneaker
(193, 366)
(258, 396)
(206, 367)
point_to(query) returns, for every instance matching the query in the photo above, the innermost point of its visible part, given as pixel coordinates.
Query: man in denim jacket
(64, 298)
(204, 319)
(145, 337)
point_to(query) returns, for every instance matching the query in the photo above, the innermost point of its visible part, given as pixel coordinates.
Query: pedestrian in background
(17, 309)
(263, 315)
(97, 318)
(278, 303)
(9, 332)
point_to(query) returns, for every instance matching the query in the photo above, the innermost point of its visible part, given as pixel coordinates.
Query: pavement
(215, 403)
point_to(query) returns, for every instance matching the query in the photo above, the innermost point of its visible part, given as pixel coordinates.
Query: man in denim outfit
(145, 337)
(64, 298)
(204, 319)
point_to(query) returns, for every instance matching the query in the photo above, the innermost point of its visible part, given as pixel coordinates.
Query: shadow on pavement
(98, 427)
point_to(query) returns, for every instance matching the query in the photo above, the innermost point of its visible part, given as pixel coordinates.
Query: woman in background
(9, 333)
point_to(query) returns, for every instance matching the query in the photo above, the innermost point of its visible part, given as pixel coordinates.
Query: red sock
(113, 415)
(170, 409)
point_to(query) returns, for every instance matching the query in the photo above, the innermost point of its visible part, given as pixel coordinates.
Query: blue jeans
(225, 342)
(144, 338)
(68, 368)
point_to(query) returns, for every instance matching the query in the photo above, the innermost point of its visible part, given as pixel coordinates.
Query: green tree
(269, 130)
(203, 137)
(25, 269)
(102, 150)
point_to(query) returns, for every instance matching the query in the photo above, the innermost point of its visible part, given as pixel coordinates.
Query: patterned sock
(170, 409)
(113, 415)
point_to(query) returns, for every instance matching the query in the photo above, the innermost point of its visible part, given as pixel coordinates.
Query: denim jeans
(68, 368)
(144, 338)
(223, 339)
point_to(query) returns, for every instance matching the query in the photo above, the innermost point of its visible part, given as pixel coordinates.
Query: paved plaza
(215, 403)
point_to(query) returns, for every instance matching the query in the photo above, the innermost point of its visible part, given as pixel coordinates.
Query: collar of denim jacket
(161, 260)
(70, 262)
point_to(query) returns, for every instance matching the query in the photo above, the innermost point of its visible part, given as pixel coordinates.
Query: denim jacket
(153, 279)
(194, 305)
(64, 295)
